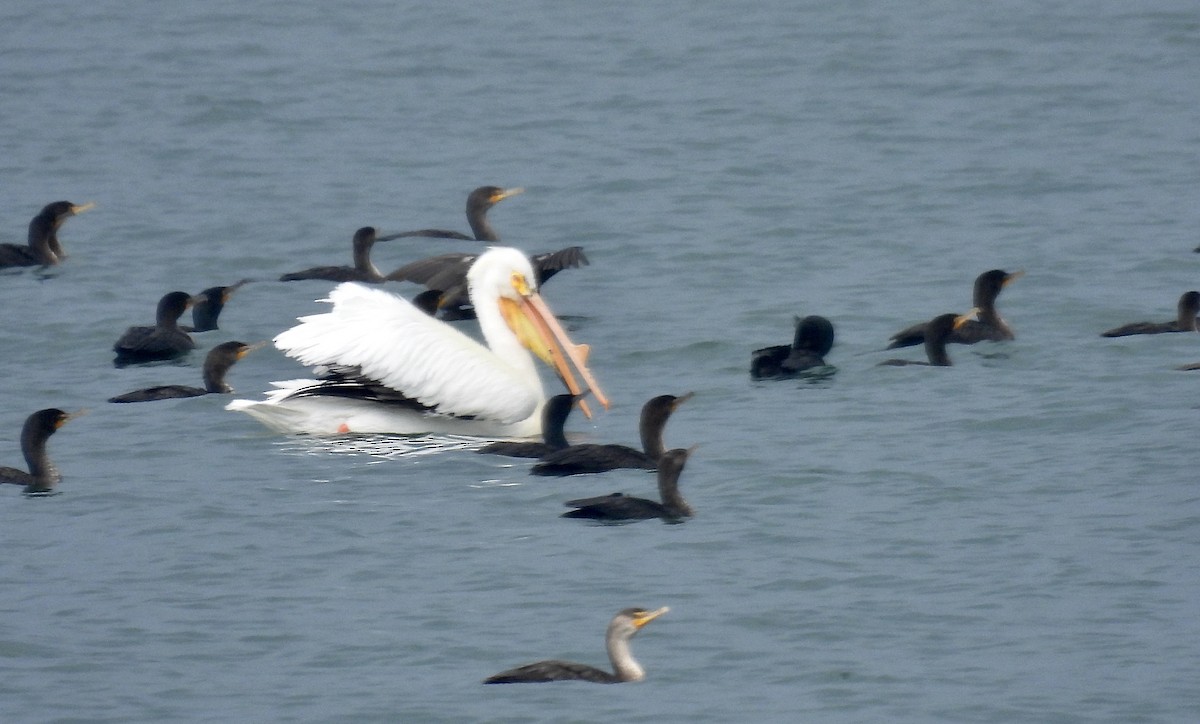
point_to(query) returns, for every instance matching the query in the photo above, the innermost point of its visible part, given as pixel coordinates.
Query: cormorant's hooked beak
(505, 193)
(250, 348)
(70, 416)
(646, 617)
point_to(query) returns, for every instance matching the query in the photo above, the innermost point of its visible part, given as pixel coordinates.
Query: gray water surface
(1014, 538)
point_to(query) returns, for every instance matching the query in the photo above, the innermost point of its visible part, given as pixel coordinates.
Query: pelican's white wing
(393, 342)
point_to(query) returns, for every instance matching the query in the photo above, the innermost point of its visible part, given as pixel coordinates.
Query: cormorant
(554, 416)
(42, 475)
(43, 247)
(164, 341)
(937, 333)
(362, 271)
(211, 301)
(618, 506)
(216, 364)
(813, 340)
(448, 272)
(1185, 320)
(625, 668)
(599, 458)
(479, 202)
(988, 326)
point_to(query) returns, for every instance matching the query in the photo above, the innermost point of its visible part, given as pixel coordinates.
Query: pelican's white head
(502, 280)
(493, 274)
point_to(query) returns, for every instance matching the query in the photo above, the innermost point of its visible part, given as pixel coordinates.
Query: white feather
(489, 390)
(407, 350)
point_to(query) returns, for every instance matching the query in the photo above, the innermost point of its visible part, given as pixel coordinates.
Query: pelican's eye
(519, 283)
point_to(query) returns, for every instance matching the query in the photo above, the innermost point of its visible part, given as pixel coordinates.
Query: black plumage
(812, 341)
(479, 202)
(598, 458)
(620, 507)
(43, 247)
(362, 271)
(448, 272)
(937, 333)
(164, 341)
(554, 417)
(625, 668)
(216, 365)
(42, 475)
(1185, 320)
(206, 311)
(988, 324)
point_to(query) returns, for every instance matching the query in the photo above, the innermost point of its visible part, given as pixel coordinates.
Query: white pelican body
(391, 368)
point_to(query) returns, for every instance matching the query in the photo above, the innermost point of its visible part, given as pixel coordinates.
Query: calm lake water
(1015, 538)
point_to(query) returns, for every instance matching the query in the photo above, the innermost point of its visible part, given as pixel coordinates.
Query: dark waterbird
(1185, 320)
(987, 326)
(164, 341)
(620, 507)
(448, 273)
(43, 247)
(479, 202)
(937, 333)
(42, 475)
(362, 271)
(812, 341)
(599, 458)
(207, 310)
(554, 417)
(216, 364)
(625, 668)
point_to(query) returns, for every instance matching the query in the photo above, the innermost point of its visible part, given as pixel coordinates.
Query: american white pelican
(387, 367)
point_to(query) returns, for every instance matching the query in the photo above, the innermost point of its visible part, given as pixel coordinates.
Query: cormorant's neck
(214, 379)
(651, 431)
(204, 316)
(624, 665)
(481, 228)
(1186, 321)
(668, 489)
(554, 436)
(43, 242)
(362, 262)
(40, 467)
(936, 351)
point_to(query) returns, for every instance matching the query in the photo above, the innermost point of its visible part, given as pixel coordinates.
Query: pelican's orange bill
(537, 327)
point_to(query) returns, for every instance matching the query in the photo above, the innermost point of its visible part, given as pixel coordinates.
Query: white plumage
(491, 390)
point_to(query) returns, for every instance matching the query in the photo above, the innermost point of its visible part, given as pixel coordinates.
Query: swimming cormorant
(599, 458)
(813, 340)
(988, 326)
(937, 333)
(625, 668)
(479, 202)
(216, 364)
(448, 272)
(42, 475)
(43, 247)
(362, 271)
(554, 416)
(1185, 320)
(164, 341)
(211, 301)
(618, 506)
